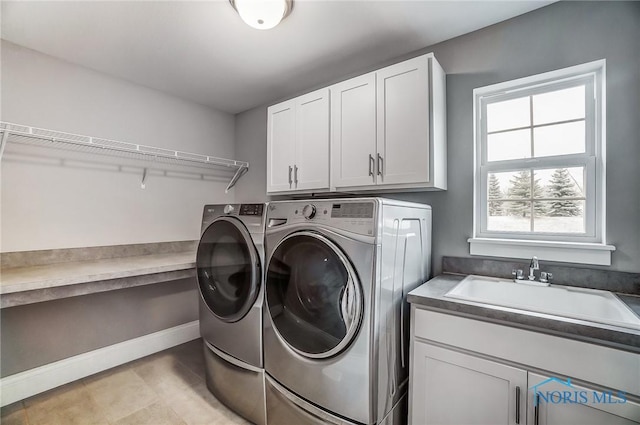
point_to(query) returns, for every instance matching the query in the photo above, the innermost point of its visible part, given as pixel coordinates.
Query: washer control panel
(309, 211)
(352, 210)
(358, 216)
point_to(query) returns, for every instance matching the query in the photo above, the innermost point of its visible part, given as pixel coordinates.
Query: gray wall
(553, 37)
(46, 205)
(41, 333)
(251, 146)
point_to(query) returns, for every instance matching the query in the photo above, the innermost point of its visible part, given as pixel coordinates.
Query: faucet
(534, 265)
(545, 278)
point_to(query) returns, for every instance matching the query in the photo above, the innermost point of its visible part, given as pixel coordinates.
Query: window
(539, 167)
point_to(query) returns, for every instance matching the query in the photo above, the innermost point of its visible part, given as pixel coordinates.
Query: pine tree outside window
(539, 163)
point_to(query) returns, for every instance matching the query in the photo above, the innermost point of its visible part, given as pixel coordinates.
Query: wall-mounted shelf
(26, 135)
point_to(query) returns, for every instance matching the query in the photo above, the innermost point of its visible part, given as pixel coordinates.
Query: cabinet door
(403, 122)
(281, 132)
(353, 132)
(311, 170)
(571, 404)
(448, 387)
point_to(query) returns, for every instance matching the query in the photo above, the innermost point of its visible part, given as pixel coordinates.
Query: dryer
(336, 320)
(230, 277)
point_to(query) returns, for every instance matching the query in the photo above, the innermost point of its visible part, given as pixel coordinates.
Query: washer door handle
(347, 304)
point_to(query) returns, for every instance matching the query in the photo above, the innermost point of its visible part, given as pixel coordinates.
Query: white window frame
(587, 248)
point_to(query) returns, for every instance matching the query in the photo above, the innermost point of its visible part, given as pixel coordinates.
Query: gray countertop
(431, 296)
(25, 285)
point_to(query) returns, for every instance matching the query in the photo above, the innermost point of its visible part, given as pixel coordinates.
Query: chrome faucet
(534, 265)
(545, 278)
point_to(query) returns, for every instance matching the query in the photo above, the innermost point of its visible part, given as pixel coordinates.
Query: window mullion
(531, 185)
(544, 162)
(533, 155)
(547, 124)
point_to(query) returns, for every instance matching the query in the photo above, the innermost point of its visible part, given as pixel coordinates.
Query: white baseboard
(34, 381)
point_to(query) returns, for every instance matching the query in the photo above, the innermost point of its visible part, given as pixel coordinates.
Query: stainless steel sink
(577, 303)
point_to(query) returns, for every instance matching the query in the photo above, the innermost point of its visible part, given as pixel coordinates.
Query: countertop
(25, 285)
(430, 295)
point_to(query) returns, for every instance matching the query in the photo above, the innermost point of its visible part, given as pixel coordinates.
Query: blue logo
(572, 395)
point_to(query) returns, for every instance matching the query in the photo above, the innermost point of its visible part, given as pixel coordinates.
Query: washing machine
(336, 320)
(230, 277)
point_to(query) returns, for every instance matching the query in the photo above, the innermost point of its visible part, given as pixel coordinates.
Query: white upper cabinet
(386, 130)
(281, 132)
(312, 141)
(353, 132)
(404, 122)
(298, 144)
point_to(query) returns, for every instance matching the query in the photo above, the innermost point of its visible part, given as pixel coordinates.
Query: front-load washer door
(313, 296)
(228, 269)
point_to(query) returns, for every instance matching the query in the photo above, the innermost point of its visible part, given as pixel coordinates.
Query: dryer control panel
(251, 209)
(251, 215)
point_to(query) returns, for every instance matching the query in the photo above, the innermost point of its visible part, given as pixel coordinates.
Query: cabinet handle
(290, 169)
(380, 165)
(536, 411)
(371, 165)
(517, 405)
(295, 174)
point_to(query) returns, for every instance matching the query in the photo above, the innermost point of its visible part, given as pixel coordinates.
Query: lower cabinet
(451, 388)
(474, 373)
(559, 402)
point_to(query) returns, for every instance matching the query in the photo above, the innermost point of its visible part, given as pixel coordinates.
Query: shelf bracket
(3, 142)
(239, 173)
(144, 179)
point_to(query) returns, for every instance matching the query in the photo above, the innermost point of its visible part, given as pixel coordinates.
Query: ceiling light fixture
(262, 14)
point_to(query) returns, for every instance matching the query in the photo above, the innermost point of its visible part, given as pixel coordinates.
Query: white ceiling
(202, 51)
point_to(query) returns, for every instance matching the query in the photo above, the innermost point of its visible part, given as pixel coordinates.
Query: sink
(577, 303)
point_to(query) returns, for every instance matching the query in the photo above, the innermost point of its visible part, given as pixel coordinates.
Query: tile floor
(164, 388)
